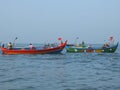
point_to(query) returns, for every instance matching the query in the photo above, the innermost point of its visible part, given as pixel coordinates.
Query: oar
(14, 41)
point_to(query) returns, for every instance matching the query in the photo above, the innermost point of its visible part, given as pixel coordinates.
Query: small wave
(11, 80)
(24, 88)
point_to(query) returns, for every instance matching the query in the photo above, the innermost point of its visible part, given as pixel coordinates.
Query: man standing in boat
(10, 45)
(30, 46)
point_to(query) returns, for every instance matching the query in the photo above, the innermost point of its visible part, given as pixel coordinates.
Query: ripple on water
(78, 71)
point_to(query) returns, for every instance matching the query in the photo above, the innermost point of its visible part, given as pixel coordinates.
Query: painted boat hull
(53, 50)
(74, 49)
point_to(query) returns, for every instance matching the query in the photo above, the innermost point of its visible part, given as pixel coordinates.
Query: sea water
(69, 71)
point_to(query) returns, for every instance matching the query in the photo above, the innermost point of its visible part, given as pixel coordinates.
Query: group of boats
(55, 49)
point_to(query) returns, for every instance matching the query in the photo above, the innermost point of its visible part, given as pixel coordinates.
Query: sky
(39, 21)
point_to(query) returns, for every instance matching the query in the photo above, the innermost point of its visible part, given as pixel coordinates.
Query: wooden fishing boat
(35, 50)
(76, 49)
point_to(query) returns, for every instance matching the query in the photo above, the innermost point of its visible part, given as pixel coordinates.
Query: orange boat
(35, 50)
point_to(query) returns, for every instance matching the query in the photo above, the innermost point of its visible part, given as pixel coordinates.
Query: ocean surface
(69, 71)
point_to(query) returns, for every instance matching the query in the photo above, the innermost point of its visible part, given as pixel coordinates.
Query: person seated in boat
(106, 45)
(10, 45)
(30, 46)
(89, 47)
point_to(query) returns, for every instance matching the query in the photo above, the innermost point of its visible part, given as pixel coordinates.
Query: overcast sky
(39, 21)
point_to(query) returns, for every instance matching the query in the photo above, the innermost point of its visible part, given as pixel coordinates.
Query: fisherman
(83, 44)
(106, 45)
(89, 47)
(10, 45)
(30, 46)
(3, 45)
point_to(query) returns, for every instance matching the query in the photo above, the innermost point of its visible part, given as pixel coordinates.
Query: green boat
(102, 49)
